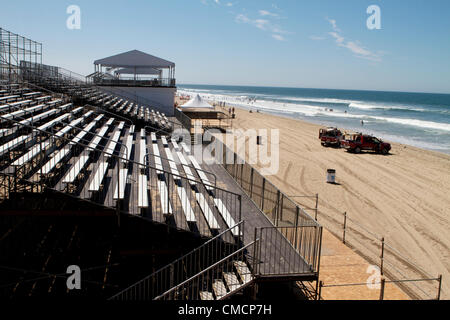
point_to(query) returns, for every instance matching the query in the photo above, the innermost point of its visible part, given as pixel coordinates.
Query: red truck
(330, 137)
(358, 142)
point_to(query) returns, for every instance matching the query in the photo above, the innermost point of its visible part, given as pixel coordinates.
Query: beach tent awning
(138, 71)
(197, 103)
(134, 59)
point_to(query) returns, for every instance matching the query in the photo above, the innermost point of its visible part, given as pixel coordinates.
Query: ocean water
(417, 119)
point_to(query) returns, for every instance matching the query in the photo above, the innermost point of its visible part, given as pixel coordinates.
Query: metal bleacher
(89, 155)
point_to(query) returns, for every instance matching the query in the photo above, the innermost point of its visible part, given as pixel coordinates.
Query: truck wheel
(357, 150)
(384, 151)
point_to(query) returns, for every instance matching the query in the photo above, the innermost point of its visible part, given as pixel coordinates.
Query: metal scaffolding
(17, 51)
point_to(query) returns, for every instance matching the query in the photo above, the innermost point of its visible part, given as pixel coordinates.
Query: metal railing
(377, 250)
(185, 121)
(280, 209)
(185, 267)
(192, 288)
(164, 82)
(380, 287)
(63, 80)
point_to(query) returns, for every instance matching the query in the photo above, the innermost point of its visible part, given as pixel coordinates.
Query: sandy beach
(402, 197)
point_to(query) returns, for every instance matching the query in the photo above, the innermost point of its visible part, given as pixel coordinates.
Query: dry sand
(403, 197)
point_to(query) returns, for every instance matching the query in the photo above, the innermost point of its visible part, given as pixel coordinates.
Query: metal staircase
(217, 269)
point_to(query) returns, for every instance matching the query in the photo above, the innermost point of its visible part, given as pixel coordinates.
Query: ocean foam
(369, 106)
(316, 111)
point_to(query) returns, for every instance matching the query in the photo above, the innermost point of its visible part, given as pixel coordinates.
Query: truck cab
(359, 142)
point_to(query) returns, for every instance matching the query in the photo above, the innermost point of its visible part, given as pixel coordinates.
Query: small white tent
(197, 103)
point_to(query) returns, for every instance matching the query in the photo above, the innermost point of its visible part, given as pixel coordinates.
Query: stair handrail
(168, 292)
(184, 257)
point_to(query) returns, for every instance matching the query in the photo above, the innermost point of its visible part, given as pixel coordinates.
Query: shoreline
(281, 115)
(402, 196)
(328, 119)
(393, 143)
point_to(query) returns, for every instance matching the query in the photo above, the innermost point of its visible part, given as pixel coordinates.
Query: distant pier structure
(139, 76)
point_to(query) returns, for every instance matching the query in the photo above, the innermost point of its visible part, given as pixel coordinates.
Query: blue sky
(313, 44)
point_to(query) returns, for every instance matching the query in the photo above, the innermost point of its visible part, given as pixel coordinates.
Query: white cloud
(317, 38)
(339, 39)
(265, 25)
(278, 37)
(267, 13)
(353, 46)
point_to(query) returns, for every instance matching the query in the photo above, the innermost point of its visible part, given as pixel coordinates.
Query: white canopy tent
(197, 103)
(137, 63)
(134, 59)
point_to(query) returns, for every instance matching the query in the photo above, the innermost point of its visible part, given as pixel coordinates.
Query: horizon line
(337, 89)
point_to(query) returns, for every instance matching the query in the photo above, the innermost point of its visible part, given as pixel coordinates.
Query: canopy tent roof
(134, 58)
(197, 103)
(138, 71)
